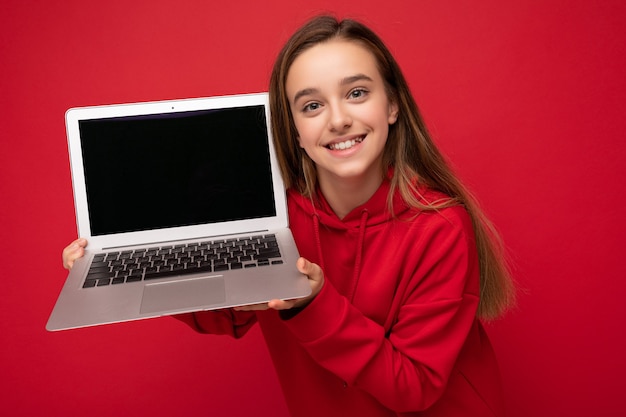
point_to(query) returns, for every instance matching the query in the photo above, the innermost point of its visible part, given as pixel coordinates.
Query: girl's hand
(73, 251)
(316, 281)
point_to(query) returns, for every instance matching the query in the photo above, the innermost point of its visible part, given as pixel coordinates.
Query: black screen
(176, 169)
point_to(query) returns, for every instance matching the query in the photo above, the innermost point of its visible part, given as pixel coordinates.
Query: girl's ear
(393, 113)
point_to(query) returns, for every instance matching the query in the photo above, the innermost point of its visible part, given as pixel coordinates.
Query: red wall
(526, 98)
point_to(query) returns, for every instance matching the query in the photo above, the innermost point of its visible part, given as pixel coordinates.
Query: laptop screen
(176, 169)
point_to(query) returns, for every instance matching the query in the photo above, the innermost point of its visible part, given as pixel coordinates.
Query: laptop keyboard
(119, 267)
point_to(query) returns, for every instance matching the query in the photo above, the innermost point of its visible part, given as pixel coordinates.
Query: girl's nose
(339, 119)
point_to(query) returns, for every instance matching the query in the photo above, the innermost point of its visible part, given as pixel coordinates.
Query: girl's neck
(345, 194)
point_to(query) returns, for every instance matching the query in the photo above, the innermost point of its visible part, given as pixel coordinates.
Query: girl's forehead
(339, 49)
(336, 58)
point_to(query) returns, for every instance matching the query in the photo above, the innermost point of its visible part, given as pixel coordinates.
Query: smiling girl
(402, 263)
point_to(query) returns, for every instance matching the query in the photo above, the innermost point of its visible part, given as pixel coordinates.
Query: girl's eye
(357, 93)
(311, 107)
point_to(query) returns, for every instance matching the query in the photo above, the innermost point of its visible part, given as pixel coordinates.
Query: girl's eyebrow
(345, 81)
(305, 92)
(355, 78)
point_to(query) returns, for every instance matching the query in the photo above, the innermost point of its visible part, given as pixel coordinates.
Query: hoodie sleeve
(220, 322)
(407, 365)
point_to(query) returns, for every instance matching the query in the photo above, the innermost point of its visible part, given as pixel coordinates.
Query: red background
(526, 98)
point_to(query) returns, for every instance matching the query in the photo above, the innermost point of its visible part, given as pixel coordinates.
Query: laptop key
(266, 255)
(221, 267)
(99, 275)
(90, 283)
(160, 274)
(176, 272)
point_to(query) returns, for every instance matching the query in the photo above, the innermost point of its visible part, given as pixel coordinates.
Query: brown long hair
(409, 150)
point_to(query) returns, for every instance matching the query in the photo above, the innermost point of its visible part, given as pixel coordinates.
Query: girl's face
(341, 110)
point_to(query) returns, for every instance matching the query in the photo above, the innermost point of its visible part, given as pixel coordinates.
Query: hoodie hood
(376, 209)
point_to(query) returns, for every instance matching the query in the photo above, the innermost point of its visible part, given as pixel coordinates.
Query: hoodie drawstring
(359, 250)
(316, 230)
(359, 255)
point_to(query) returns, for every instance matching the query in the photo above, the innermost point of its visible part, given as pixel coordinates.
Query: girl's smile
(345, 143)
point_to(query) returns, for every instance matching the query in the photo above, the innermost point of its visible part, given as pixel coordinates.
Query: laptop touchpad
(182, 295)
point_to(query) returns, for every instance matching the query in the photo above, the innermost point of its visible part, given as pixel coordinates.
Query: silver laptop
(184, 209)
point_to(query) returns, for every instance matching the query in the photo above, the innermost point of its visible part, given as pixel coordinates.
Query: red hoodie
(393, 331)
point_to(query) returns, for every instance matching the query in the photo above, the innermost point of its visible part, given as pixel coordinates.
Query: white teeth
(344, 145)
